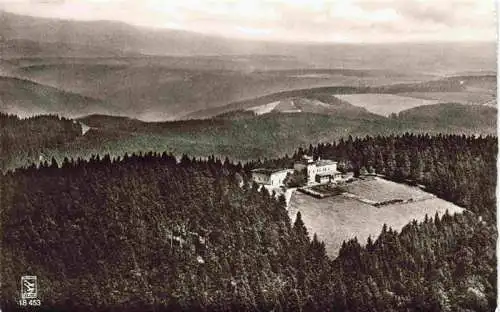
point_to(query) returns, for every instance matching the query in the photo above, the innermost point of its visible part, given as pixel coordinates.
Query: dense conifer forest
(148, 233)
(26, 139)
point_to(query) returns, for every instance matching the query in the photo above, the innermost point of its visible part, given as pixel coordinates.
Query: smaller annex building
(272, 177)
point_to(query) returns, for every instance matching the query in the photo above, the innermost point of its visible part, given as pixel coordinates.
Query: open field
(384, 104)
(379, 190)
(263, 109)
(338, 218)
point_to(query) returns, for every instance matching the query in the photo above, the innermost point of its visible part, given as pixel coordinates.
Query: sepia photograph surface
(252, 155)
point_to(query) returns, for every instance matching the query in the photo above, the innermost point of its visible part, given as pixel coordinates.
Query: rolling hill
(26, 98)
(316, 100)
(276, 133)
(471, 89)
(167, 88)
(246, 136)
(151, 92)
(13, 48)
(451, 117)
(382, 100)
(477, 83)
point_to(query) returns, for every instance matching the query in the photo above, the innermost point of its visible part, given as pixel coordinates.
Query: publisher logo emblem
(29, 287)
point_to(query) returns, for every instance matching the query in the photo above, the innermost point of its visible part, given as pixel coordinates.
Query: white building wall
(260, 178)
(313, 170)
(279, 177)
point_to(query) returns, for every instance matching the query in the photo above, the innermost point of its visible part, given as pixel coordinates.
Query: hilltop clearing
(341, 218)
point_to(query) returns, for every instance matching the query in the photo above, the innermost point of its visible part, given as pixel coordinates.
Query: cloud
(312, 20)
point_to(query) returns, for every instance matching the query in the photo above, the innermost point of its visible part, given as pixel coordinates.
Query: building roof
(325, 162)
(322, 175)
(326, 174)
(305, 161)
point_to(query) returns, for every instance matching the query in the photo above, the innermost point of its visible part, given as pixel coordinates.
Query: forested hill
(244, 137)
(26, 139)
(147, 233)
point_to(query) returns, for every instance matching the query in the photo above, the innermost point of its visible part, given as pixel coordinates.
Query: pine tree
(300, 234)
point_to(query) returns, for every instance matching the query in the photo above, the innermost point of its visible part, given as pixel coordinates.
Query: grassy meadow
(337, 219)
(384, 104)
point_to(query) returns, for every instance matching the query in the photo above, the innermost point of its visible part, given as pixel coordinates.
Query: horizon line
(255, 40)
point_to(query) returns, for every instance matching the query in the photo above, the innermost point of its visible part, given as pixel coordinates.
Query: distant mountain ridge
(160, 74)
(112, 38)
(36, 35)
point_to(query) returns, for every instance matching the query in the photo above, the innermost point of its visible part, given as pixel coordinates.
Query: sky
(289, 20)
